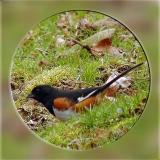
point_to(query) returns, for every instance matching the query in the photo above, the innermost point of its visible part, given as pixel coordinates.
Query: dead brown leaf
(100, 47)
(43, 63)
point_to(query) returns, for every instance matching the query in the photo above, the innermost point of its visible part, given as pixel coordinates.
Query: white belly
(64, 115)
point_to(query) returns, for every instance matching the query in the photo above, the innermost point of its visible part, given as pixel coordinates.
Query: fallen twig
(89, 49)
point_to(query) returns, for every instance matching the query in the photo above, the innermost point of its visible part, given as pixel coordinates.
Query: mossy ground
(38, 60)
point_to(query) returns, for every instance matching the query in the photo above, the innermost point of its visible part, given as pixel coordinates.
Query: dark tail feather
(119, 76)
(101, 89)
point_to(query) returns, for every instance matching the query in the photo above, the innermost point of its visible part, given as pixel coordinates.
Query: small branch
(89, 49)
(82, 45)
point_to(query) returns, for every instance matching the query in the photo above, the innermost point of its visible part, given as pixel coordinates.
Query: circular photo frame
(80, 79)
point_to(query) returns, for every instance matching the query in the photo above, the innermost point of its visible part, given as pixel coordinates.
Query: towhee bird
(63, 104)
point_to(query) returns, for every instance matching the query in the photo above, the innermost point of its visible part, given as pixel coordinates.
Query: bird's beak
(30, 96)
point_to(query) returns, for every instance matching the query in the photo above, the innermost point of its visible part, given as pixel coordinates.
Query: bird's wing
(85, 104)
(63, 103)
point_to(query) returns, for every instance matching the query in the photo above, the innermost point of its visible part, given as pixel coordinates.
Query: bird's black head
(44, 94)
